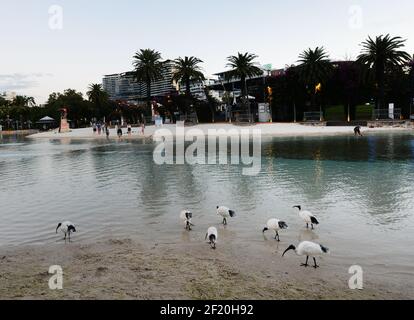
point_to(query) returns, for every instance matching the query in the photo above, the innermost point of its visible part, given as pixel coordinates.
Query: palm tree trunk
(149, 97)
(245, 93)
(381, 88)
(188, 88)
(295, 119)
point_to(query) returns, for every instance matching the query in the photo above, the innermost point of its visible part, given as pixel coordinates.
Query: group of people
(102, 128)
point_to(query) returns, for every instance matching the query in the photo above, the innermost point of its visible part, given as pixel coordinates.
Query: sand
(269, 130)
(125, 270)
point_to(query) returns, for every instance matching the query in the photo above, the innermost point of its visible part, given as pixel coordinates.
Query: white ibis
(309, 249)
(225, 213)
(275, 225)
(307, 217)
(212, 236)
(186, 217)
(67, 228)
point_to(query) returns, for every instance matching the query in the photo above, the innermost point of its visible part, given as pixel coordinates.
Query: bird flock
(306, 248)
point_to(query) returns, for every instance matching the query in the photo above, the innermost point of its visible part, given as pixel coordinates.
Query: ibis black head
(59, 225)
(292, 247)
(213, 241)
(218, 207)
(299, 207)
(188, 215)
(283, 225)
(71, 229)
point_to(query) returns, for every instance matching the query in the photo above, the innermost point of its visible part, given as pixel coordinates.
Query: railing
(243, 118)
(190, 119)
(386, 114)
(312, 116)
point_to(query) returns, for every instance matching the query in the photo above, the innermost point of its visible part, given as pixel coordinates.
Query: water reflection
(116, 188)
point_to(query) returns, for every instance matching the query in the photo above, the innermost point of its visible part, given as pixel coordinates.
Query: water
(360, 189)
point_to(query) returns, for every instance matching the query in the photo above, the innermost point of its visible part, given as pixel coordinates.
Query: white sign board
(391, 111)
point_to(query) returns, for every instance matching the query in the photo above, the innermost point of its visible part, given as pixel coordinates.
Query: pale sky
(100, 37)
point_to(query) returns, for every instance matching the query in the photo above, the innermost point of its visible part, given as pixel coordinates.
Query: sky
(49, 46)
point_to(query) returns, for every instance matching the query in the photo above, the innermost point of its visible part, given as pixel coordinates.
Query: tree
(382, 55)
(80, 111)
(23, 101)
(350, 84)
(98, 97)
(187, 71)
(243, 67)
(149, 68)
(314, 69)
(411, 82)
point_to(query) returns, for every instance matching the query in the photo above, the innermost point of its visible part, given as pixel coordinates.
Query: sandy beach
(125, 269)
(267, 130)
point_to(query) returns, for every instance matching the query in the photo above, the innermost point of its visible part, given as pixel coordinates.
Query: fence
(386, 114)
(312, 116)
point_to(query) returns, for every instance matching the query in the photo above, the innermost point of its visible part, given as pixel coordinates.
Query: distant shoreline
(18, 132)
(267, 130)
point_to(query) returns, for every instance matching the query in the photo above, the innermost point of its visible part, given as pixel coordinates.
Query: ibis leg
(316, 265)
(306, 264)
(277, 236)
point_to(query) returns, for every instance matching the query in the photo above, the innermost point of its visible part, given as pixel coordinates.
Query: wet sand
(125, 269)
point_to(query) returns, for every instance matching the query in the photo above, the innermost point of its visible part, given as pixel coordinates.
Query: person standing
(119, 132)
(107, 131)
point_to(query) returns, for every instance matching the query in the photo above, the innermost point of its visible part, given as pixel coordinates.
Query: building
(197, 89)
(9, 96)
(122, 86)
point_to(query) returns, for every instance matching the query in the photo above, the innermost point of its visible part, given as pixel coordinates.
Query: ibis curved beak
(292, 247)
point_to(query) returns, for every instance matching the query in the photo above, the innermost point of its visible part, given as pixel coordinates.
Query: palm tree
(96, 93)
(149, 68)
(243, 67)
(187, 71)
(24, 101)
(382, 55)
(411, 82)
(98, 96)
(314, 69)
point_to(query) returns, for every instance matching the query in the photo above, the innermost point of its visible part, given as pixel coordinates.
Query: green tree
(314, 69)
(23, 101)
(149, 68)
(411, 83)
(99, 98)
(383, 54)
(243, 67)
(187, 71)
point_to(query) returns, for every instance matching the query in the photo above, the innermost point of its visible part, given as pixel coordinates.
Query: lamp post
(318, 89)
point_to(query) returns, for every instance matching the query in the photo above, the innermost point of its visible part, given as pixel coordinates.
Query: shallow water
(361, 189)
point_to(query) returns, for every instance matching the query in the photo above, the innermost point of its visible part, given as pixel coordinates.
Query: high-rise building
(123, 86)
